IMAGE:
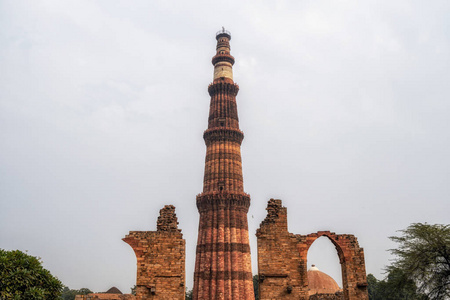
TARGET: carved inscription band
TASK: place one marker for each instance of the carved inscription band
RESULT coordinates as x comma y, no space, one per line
220,176
223,247
224,275
238,202
228,223
230,156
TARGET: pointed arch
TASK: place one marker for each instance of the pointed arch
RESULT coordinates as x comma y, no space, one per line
324,255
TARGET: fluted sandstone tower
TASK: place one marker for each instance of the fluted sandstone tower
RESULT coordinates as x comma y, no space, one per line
223,266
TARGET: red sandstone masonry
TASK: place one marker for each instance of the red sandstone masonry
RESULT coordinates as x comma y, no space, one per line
223,265
282,259
105,296
160,259
336,296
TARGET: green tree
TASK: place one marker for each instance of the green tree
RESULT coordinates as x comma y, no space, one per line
84,291
372,288
23,277
68,294
423,256
189,294
256,286
395,287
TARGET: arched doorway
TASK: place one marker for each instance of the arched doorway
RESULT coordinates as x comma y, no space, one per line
322,253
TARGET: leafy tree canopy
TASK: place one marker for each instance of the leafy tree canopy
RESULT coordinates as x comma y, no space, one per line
423,257
189,294
68,294
256,286
23,277
395,287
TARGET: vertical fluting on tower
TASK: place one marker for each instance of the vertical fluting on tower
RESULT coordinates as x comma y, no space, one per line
223,264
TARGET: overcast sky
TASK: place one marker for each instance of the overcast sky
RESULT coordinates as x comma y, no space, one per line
344,105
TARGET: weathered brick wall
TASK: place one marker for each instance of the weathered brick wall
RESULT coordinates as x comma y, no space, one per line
282,259
279,261
336,296
104,296
160,259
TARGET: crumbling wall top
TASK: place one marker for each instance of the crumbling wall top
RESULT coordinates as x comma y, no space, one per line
167,220
274,209
276,219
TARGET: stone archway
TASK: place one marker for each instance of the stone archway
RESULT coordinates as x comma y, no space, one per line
282,259
324,256
351,258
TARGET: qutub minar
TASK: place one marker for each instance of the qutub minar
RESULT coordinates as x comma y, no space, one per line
223,263
223,266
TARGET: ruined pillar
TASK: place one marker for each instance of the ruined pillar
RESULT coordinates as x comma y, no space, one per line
160,259
279,261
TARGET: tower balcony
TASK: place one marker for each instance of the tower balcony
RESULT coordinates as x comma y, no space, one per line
223,33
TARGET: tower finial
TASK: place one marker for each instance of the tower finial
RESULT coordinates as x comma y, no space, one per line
223,33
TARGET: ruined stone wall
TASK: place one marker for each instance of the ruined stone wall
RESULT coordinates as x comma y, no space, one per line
282,258
104,296
336,296
160,259
279,261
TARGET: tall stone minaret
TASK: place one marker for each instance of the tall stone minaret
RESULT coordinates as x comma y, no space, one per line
223,266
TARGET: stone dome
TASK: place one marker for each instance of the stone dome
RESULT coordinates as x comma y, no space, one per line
113,290
321,283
